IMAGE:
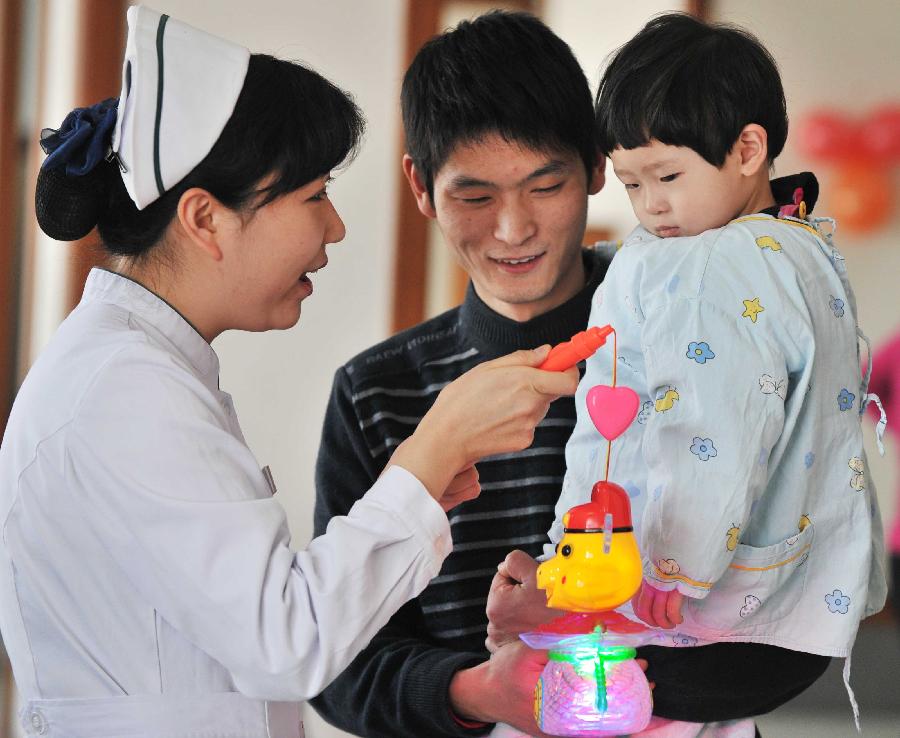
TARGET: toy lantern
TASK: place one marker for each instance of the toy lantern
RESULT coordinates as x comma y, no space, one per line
592,686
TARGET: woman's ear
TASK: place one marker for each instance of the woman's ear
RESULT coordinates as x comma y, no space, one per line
417,185
753,147
201,216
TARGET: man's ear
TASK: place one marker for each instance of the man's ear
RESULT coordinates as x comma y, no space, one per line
199,215
419,190
598,175
753,147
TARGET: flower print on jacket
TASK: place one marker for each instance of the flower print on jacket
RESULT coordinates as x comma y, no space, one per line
771,386
703,448
680,639
644,414
700,352
837,306
845,399
837,602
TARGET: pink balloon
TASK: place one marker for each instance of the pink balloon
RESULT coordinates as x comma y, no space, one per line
827,135
612,409
880,134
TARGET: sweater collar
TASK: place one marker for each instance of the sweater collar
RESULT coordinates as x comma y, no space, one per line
494,334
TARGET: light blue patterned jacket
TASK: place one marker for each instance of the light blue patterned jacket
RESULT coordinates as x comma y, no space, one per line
745,467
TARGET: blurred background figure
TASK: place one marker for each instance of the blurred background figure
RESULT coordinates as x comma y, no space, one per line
838,60
885,383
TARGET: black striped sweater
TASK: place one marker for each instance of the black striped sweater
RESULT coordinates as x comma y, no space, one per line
399,685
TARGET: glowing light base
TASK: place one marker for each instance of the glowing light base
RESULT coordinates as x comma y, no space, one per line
590,687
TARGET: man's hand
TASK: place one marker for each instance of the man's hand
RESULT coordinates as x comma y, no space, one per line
515,604
501,690
658,608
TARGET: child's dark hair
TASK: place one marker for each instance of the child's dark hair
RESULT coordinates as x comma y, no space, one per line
688,83
289,123
502,73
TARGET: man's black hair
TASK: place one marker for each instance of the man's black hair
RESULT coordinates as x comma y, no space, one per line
688,83
502,73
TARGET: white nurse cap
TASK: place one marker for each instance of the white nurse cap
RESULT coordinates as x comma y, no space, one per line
179,88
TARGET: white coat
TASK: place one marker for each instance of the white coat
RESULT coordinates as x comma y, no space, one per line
147,584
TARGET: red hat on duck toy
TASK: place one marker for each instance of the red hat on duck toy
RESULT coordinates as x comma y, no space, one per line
606,498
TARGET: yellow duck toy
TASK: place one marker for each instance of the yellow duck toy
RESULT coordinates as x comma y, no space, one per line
597,565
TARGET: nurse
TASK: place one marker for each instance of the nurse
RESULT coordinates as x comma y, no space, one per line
147,584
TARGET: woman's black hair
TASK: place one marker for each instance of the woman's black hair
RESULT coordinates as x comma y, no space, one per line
688,83
289,123
502,73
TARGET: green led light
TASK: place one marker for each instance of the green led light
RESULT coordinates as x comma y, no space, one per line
590,661
584,655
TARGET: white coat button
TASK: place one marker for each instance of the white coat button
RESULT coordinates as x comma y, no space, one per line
38,724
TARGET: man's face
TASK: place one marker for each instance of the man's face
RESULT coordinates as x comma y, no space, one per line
514,218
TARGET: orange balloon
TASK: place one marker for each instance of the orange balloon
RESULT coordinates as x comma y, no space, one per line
860,196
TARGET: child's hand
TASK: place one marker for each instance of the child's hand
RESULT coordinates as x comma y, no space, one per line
658,608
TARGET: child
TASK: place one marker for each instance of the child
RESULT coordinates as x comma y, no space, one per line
736,325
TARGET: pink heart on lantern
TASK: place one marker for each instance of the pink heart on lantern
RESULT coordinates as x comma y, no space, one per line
612,409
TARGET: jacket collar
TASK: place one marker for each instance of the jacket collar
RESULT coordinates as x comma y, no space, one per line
169,326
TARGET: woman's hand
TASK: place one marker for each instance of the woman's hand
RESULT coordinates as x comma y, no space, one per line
490,409
465,486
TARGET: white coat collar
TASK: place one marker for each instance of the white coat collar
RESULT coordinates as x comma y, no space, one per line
109,287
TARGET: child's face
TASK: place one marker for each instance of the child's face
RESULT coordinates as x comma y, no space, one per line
675,192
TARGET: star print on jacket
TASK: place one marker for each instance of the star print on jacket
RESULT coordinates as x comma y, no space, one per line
752,308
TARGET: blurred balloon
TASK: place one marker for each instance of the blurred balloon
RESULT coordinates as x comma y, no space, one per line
860,196
879,135
827,135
